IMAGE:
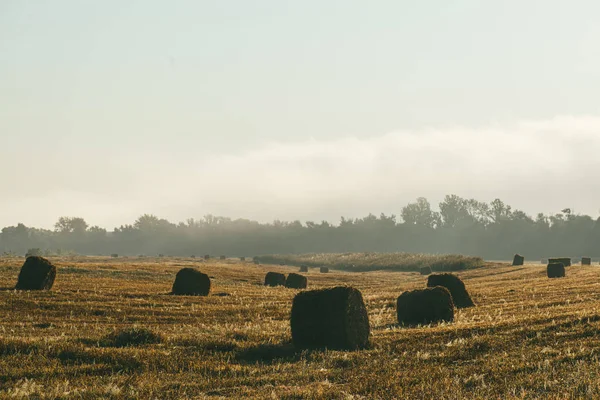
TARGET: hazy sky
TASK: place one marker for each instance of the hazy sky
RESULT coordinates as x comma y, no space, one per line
294,109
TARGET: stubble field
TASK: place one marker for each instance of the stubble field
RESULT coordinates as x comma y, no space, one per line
528,336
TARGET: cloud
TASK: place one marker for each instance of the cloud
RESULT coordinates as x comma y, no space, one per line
533,165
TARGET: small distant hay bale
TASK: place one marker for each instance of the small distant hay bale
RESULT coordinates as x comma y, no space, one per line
425,306
425,270
242,258
518,260
303,268
222,257
455,286
191,282
207,257
324,270
114,255
37,273
296,281
586,261
555,270
565,261
334,318
274,279
192,256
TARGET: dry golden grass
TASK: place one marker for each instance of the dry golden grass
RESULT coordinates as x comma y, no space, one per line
528,337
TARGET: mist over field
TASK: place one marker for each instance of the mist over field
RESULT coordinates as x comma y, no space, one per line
536,166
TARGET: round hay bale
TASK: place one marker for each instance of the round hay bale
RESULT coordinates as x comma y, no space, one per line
37,273
334,318
303,268
586,261
565,261
191,282
274,279
425,306
455,286
518,260
323,270
296,281
425,270
555,270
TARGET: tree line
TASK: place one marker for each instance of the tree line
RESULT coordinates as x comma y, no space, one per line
465,226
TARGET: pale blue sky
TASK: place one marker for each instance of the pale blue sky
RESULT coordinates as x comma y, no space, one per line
102,96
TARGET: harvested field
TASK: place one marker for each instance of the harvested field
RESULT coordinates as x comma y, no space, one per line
528,337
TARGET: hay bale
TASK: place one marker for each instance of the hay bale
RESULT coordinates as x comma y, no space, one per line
565,261
191,282
455,286
37,273
518,260
425,306
303,268
207,257
323,270
274,279
555,270
425,270
114,255
296,281
586,261
334,318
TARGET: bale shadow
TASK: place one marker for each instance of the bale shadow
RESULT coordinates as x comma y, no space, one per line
269,354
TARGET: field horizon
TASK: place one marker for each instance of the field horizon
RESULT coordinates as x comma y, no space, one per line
527,337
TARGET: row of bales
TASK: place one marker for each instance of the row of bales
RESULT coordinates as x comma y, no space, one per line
334,318
556,266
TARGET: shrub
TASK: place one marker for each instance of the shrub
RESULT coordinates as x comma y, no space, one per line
425,306
455,286
37,273
425,270
303,268
334,318
114,255
222,258
191,282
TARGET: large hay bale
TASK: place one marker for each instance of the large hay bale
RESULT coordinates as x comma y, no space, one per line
586,261
274,279
425,270
334,318
296,281
455,286
37,273
555,270
191,282
518,260
425,306
324,270
565,261
303,268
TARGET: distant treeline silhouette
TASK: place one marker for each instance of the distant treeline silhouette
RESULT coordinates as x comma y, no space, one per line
466,226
